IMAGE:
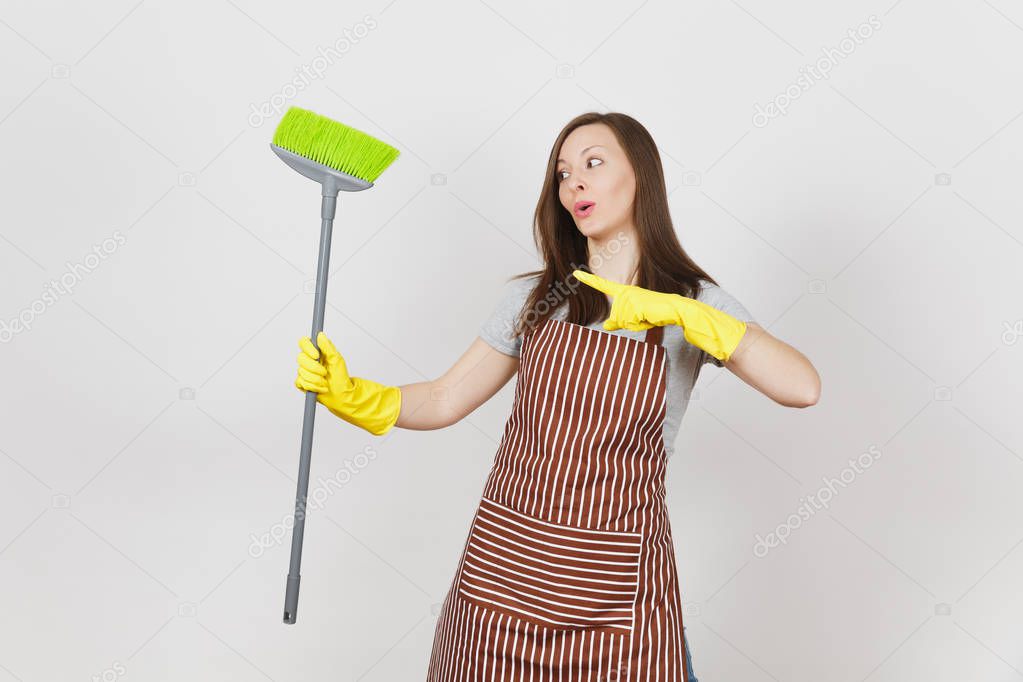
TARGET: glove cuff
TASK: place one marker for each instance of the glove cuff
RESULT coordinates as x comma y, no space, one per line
708,328
369,405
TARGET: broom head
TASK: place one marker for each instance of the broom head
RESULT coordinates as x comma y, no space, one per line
333,144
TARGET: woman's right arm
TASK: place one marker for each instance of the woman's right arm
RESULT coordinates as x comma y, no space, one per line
471,381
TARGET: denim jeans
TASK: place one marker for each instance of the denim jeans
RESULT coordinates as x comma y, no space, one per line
689,658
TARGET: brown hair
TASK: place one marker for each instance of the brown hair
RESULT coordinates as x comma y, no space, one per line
663,263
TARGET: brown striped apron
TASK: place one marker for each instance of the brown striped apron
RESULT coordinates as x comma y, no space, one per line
568,572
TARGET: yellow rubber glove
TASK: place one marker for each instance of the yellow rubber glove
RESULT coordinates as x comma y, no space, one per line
364,403
636,309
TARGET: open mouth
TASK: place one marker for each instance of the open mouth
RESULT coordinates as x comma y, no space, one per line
584,208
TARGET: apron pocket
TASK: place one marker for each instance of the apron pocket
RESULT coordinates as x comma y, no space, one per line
561,577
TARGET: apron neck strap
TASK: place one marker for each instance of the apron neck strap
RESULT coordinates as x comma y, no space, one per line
654,335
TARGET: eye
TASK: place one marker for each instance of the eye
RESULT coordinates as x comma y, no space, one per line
592,158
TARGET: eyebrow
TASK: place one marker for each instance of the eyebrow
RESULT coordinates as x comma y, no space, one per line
583,151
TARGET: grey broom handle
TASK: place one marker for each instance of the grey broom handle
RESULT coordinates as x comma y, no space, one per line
328,208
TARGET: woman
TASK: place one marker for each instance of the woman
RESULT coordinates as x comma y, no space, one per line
569,571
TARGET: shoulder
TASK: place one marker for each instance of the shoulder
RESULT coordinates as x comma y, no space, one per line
515,291
718,297
524,284
499,330
708,291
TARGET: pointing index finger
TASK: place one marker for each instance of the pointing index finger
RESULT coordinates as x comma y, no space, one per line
598,283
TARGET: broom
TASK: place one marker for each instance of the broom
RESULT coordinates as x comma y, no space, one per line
341,159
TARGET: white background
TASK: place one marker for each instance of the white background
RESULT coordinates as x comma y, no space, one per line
149,426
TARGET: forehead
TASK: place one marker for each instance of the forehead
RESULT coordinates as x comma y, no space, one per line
587,136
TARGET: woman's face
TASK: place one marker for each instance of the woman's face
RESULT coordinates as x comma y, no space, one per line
592,168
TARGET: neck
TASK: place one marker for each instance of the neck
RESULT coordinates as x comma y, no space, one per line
614,256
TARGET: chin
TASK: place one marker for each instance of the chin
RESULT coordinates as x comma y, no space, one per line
592,230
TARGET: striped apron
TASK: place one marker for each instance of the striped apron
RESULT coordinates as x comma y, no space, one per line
568,572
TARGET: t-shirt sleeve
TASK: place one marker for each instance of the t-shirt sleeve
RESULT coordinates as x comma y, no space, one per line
716,297
499,329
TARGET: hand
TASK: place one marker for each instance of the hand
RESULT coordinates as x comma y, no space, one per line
635,308
364,403
325,374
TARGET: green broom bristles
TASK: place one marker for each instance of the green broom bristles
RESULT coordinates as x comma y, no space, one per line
333,144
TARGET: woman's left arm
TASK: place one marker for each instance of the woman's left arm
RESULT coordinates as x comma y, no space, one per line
766,363
774,368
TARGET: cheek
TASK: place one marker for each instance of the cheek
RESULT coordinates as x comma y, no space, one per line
620,191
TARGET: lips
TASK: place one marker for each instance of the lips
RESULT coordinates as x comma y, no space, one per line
584,208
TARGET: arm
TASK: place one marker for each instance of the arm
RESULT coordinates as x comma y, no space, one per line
766,363
774,368
376,407
471,381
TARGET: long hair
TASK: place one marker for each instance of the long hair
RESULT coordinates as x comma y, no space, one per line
663,265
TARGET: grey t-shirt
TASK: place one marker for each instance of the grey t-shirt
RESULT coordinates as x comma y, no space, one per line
684,359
